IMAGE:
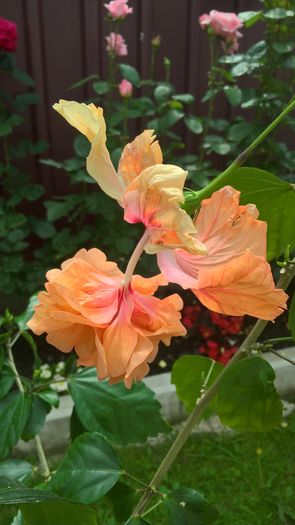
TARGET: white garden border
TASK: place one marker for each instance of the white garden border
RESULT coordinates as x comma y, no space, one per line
55,434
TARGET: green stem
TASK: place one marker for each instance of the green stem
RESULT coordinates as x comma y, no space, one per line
242,157
278,340
204,401
211,86
153,59
125,121
39,447
152,508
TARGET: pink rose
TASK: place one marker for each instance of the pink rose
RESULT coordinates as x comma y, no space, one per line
225,26
116,44
204,21
8,35
118,8
125,88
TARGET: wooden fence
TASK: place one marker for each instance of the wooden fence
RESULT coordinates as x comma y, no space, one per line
61,41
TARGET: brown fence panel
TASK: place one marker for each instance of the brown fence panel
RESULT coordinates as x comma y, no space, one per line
62,41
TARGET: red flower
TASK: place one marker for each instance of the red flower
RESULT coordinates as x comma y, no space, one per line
8,35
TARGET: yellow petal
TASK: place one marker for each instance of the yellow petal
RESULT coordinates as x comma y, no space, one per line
86,118
143,152
89,120
154,199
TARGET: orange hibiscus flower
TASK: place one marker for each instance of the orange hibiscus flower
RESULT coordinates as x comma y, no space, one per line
234,278
149,191
115,327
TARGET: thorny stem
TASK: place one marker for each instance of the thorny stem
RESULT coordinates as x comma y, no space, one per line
242,157
205,400
40,450
135,258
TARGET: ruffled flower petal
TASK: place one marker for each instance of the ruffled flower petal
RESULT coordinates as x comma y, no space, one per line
89,120
234,238
241,286
154,198
143,152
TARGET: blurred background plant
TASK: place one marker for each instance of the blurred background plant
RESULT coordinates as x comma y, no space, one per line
20,222
267,69
85,216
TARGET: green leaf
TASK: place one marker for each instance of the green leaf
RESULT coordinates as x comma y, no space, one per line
23,100
36,420
18,519
83,81
189,507
5,128
58,513
163,92
233,95
240,69
239,131
275,200
22,77
16,469
137,521
101,87
194,124
171,117
249,18
58,209
43,229
89,470
7,379
211,93
189,374
52,163
283,47
130,73
290,62
123,500
184,98
23,318
217,144
35,191
278,13
98,405
50,397
247,400
81,146
291,317
14,413
18,495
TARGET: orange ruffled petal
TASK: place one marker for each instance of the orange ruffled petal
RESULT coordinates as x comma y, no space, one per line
154,198
242,286
143,152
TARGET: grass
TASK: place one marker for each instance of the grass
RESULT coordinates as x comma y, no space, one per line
249,477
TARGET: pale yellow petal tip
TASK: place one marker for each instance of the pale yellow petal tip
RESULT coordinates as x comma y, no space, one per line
58,105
